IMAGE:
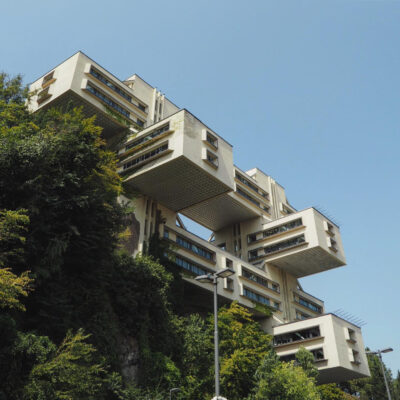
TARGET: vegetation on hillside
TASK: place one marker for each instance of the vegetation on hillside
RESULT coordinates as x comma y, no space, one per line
80,318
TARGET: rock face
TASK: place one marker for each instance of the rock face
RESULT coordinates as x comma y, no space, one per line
129,356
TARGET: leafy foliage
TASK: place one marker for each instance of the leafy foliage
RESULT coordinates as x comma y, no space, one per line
12,287
283,381
71,372
305,360
243,345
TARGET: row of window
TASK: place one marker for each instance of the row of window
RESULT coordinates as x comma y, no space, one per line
146,156
304,334
92,89
301,315
317,353
251,185
143,139
252,199
273,248
277,229
201,251
259,298
189,266
100,77
308,304
260,280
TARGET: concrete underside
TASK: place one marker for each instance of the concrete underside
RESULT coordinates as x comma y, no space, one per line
305,262
337,375
219,212
176,184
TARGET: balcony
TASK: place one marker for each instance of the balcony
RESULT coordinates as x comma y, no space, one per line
302,243
337,358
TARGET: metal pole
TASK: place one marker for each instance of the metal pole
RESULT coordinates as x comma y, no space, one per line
384,376
216,344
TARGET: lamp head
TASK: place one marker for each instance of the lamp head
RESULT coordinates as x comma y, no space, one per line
388,350
204,278
225,273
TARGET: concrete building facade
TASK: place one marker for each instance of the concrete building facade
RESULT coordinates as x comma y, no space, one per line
177,165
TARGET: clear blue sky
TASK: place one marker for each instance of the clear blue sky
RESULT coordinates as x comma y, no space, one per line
308,91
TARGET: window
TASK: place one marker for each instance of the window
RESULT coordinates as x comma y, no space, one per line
48,78
317,353
222,246
140,122
100,77
147,206
356,357
166,233
282,228
147,156
256,297
105,99
330,228
228,263
252,186
193,268
287,244
286,210
253,254
301,316
304,334
259,298
152,135
211,139
247,196
228,284
251,238
212,159
333,244
141,107
245,181
352,335
244,194
201,251
308,304
43,95
260,280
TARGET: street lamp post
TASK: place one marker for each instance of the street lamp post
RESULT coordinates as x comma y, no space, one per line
379,354
213,278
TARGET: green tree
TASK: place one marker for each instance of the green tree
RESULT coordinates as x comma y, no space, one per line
305,360
73,371
283,381
333,392
12,287
243,345
197,358
372,388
